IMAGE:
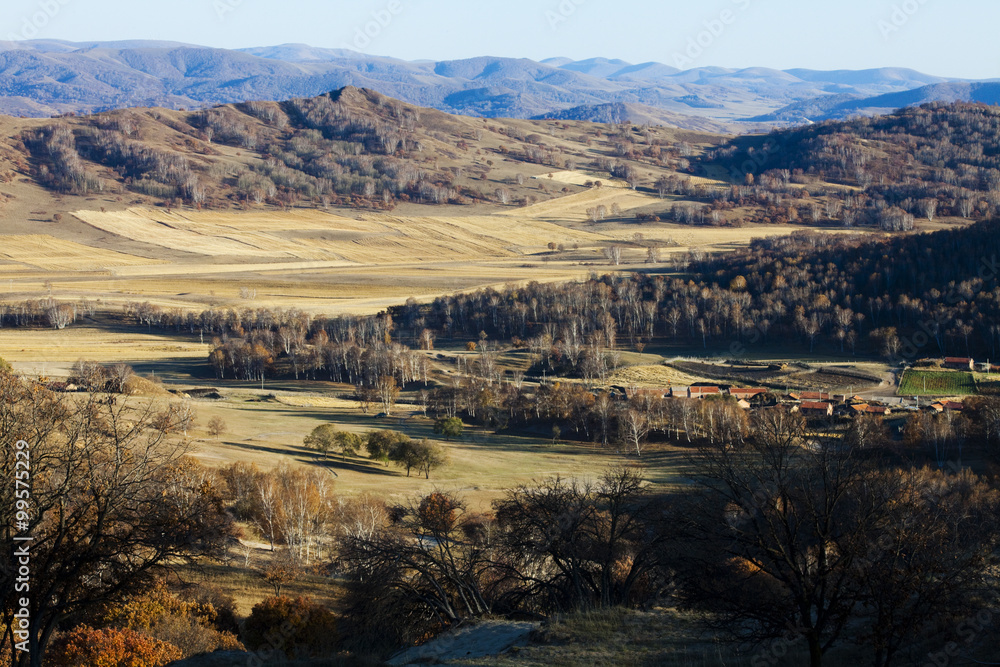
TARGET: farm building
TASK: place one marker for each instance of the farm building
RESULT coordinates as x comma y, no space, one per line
941,406
960,363
865,409
647,393
816,409
703,392
746,394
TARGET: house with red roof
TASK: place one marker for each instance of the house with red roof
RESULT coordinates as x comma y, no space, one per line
960,363
746,394
816,409
703,392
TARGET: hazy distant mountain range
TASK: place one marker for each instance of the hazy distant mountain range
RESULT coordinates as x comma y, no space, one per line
47,77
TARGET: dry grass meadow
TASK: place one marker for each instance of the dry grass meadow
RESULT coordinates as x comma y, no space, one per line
334,261
326,261
112,249
267,429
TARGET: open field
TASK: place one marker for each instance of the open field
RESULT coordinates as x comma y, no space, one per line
52,353
267,428
121,246
651,376
574,207
334,261
579,178
937,383
315,235
49,253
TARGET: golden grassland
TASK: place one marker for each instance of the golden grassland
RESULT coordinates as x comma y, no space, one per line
372,239
322,262
334,261
208,233
482,464
52,352
121,246
49,253
579,178
574,207
651,376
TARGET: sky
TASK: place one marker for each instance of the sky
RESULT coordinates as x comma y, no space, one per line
954,38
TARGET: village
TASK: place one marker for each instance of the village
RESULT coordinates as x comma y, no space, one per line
829,404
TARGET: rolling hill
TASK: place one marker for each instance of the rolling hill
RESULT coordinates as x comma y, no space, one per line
847,105
50,77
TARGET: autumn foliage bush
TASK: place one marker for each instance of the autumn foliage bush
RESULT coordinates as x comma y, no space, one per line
295,627
195,626
438,512
110,647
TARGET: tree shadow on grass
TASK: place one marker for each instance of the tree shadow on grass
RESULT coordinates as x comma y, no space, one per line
336,465
511,442
667,466
333,463
263,449
182,370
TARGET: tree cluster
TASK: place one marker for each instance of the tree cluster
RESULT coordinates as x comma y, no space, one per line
936,159
112,503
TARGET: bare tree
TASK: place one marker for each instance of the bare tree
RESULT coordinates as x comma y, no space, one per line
597,213
119,377
633,426
613,254
662,186
966,205
216,426
929,208
60,315
576,546
113,502
388,391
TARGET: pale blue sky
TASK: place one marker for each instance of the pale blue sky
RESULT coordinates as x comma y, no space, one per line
948,38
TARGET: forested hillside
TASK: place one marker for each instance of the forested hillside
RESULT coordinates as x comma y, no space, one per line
924,162
350,147
927,294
